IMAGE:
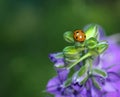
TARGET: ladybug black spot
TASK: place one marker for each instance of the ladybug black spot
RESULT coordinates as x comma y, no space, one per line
77,32
76,37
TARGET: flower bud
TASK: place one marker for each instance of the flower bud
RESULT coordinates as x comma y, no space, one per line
91,43
68,36
92,30
71,54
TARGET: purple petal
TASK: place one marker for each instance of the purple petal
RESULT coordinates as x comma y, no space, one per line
116,85
96,61
53,85
112,94
91,90
101,32
77,87
83,93
96,93
62,74
108,87
113,77
111,57
65,96
88,84
59,96
114,39
59,63
77,67
54,57
100,80
68,91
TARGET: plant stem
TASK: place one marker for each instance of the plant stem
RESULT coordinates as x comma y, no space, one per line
79,60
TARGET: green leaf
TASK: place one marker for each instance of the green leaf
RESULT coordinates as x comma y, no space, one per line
94,52
68,36
99,72
67,82
84,80
96,84
91,30
83,70
83,73
91,43
102,46
80,79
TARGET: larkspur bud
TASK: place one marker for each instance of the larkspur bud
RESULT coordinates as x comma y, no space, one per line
91,30
71,54
68,36
102,46
91,43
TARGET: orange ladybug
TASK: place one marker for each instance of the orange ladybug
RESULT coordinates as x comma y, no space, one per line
79,35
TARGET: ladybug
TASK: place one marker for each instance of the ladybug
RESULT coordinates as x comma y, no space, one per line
79,35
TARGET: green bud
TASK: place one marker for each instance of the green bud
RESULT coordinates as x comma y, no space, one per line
79,44
96,83
99,48
102,46
91,43
68,36
91,30
70,60
71,54
71,51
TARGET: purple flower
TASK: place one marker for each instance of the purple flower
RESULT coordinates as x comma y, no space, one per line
101,79
57,59
56,86
110,62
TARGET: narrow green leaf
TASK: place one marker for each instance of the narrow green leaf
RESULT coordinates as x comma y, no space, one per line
83,70
94,52
99,72
80,79
84,80
67,82
96,84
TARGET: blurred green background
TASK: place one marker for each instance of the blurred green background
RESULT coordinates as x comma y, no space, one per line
31,29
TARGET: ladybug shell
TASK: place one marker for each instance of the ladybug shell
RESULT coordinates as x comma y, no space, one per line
79,35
